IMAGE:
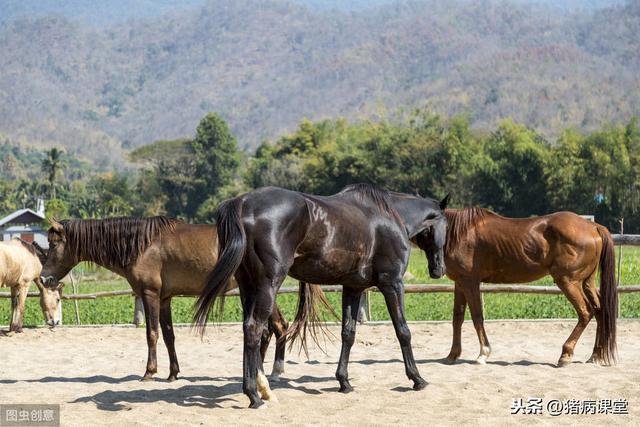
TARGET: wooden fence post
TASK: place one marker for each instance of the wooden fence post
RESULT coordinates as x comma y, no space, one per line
138,312
74,285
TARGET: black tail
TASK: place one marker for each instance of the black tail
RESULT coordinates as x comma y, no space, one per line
231,248
606,335
308,316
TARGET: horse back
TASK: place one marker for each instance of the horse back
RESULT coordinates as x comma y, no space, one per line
17,264
346,241
178,262
516,250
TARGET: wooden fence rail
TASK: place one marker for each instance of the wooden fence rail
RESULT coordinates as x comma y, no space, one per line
619,239
409,289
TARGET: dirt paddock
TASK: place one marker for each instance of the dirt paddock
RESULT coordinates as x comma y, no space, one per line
93,373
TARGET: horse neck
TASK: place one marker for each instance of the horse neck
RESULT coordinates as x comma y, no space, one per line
413,210
83,255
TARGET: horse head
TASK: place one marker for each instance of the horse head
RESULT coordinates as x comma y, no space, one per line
433,237
60,259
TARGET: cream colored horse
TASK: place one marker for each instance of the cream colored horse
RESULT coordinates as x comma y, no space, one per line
21,264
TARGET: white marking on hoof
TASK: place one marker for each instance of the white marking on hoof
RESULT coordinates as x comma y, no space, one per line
263,388
485,351
278,368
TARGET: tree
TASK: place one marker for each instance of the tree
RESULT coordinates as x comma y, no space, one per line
511,178
216,161
51,165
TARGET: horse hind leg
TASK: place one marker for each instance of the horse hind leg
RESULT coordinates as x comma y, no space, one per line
575,294
166,324
256,309
280,326
593,298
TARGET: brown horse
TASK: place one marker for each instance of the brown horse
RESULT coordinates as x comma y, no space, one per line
483,246
160,258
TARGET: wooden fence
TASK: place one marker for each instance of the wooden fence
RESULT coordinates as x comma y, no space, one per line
626,240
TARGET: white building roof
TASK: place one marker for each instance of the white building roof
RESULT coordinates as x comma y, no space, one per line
7,219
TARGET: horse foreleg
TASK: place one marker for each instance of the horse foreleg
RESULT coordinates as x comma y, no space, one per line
151,302
474,299
350,307
18,300
166,324
394,297
459,307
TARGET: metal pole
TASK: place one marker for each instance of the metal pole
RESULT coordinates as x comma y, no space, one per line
620,260
138,312
364,310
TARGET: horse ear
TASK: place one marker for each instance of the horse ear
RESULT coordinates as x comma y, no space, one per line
445,201
60,286
55,225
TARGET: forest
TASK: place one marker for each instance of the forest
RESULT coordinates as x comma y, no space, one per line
511,169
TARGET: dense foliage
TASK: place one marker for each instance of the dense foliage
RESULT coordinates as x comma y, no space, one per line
512,169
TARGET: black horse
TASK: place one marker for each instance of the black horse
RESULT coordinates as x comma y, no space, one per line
358,238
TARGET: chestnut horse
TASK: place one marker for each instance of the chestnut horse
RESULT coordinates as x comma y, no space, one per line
357,238
483,246
160,258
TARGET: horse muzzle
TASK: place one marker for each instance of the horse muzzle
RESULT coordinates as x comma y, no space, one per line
49,281
437,272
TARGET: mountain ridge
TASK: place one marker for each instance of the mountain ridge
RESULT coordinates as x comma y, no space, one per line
265,65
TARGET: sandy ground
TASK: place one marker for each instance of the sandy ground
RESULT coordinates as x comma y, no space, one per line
93,373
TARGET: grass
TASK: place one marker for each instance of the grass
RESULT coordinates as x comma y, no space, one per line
434,306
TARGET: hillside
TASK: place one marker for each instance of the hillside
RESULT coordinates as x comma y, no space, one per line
265,65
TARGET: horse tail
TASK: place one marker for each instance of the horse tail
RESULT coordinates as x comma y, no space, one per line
231,249
308,320
606,335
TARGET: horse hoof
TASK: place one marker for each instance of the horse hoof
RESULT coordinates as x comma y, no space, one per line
172,378
147,377
564,362
450,360
275,377
259,405
482,360
345,388
271,398
420,384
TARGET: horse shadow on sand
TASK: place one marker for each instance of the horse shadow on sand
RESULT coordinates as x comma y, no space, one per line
206,396
440,361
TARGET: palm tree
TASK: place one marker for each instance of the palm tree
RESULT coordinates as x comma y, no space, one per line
51,165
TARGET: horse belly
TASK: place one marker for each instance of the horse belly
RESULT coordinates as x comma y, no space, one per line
334,267
508,272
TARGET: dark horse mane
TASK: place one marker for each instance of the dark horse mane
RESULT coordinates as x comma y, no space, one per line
114,241
460,221
379,196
